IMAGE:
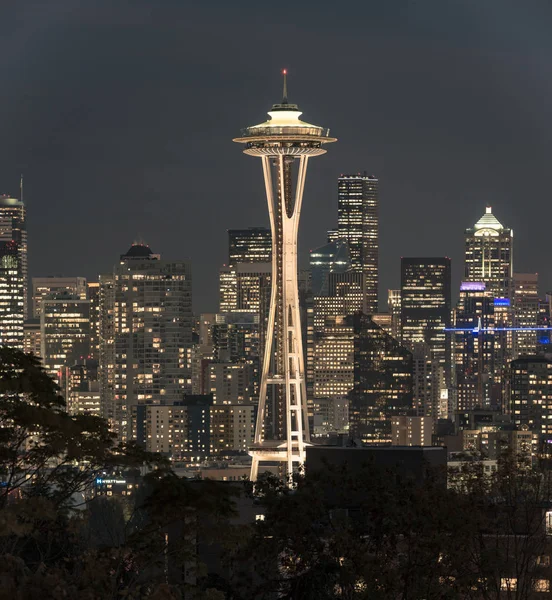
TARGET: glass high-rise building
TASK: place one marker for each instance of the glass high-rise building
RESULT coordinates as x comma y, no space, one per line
474,347
13,228
426,304
65,332
252,245
358,224
145,334
526,312
489,255
12,295
382,381
330,258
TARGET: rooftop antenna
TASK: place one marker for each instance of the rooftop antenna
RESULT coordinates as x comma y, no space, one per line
285,95
21,188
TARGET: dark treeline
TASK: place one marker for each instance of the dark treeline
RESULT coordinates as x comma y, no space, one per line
335,535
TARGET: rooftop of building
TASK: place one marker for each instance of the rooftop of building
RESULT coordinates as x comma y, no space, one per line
139,250
488,222
6,200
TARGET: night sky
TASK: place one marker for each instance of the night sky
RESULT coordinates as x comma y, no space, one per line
121,113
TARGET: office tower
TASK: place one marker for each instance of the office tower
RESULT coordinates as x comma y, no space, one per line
411,431
244,288
382,381
526,311
474,347
331,258
252,245
282,143
237,339
31,336
358,224
46,286
12,295
13,228
329,341
203,350
81,389
489,255
333,359
544,320
180,429
426,304
531,394
64,332
232,428
145,334
394,309
425,315
93,295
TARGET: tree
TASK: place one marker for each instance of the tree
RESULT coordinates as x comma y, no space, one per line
59,541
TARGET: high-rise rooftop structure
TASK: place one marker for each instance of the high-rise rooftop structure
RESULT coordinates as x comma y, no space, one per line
145,334
284,144
489,255
252,245
13,228
358,224
46,286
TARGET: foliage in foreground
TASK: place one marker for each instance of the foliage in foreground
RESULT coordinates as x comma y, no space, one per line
335,535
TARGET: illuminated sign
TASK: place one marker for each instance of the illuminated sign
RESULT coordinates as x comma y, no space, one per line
111,481
472,286
501,302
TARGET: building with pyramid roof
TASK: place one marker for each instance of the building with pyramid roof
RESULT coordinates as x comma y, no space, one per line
489,255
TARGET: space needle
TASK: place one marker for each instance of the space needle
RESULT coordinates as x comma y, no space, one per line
284,143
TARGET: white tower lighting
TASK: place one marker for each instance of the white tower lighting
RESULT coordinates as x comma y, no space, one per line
285,144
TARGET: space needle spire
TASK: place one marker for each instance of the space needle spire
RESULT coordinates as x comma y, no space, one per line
284,143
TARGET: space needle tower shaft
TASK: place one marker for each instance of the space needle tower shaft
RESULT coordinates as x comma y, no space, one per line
284,144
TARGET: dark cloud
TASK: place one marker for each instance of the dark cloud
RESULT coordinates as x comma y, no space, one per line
121,116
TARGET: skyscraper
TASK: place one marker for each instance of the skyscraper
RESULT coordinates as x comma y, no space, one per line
489,255
382,381
282,143
12,295
13,228
252,245
426,304
245,287
145,334
65,332
474,347
330,258
526,312
358,224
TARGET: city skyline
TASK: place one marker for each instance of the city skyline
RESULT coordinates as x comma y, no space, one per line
101,153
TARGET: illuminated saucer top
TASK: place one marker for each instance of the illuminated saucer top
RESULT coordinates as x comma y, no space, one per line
284,133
